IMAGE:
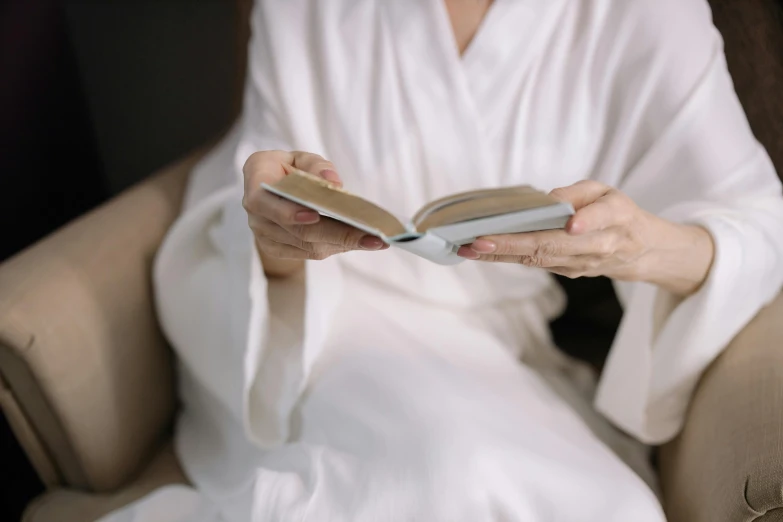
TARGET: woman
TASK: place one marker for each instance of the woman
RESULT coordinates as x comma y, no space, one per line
366,384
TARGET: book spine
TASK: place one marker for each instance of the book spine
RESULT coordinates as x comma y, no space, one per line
430,247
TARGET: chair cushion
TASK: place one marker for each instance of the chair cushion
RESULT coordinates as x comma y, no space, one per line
68,505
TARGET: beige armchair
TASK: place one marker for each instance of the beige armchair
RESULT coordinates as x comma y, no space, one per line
86,379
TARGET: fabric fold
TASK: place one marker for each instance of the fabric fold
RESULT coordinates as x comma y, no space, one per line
276,374
651,373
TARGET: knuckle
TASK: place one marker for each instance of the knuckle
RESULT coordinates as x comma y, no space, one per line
323,164
250,163
615,200
308,237
310,233
592,184
531,261
317,256
320,248
565,194
591,263
606,245
311,161
304,233
247,203
622,217
302,245
632,235
283,216
254,161
256,228
348,238
559,193
620,203
545,249
504,248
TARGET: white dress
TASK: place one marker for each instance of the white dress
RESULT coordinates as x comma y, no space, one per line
381,387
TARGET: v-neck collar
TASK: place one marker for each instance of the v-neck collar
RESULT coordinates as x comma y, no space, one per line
442,12
507,25
442,111
510,38
449,93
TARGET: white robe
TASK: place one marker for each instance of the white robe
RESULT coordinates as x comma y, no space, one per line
381,387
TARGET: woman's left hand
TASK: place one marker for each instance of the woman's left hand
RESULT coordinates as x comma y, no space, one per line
609,235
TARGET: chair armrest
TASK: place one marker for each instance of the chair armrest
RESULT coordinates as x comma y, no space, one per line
67,505
727,464
85,374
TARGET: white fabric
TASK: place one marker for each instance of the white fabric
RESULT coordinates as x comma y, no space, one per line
378,386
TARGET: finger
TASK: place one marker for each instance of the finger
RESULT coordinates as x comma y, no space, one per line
264,229
543,244
265,167
315,164
314,238
278,210
336,233
268,167
581,193
284,251
586,264
531,261
611,209
549,244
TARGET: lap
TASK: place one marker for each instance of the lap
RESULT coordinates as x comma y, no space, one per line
375,418
389,436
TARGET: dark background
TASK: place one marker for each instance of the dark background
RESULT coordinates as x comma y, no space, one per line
96,95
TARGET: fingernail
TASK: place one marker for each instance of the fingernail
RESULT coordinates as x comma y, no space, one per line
306,217
484,246
371,243
330,175
467,253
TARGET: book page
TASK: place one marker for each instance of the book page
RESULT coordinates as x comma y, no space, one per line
322,196
480,204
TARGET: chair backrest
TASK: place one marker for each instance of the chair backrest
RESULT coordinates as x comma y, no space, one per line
753,34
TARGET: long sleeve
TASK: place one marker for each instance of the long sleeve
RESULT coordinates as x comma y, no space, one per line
699,163
287,319
244,341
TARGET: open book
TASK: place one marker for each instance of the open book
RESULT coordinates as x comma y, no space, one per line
439,228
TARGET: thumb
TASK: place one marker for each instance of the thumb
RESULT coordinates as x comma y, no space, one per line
581,193
315,164
331,175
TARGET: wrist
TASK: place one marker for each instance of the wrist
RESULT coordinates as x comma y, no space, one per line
681,260
279,268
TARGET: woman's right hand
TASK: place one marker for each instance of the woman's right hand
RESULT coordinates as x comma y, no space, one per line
287,234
